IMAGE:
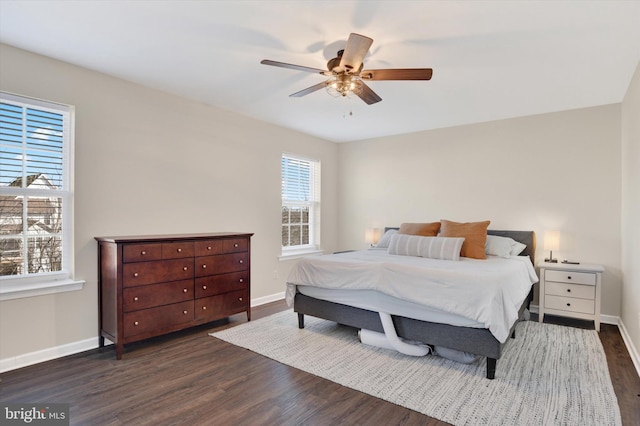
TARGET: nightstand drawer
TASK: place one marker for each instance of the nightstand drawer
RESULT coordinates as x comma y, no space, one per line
584,306
570,290
570,277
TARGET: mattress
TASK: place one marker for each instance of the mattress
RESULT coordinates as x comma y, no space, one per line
379,302
470,292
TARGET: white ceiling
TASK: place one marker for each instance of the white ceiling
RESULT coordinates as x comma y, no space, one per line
491,59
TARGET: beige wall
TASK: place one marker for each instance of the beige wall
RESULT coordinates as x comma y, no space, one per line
151,163
553,171
630,312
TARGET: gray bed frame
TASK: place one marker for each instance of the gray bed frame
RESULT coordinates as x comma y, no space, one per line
477,341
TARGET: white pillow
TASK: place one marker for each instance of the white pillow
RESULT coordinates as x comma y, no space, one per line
503,246
431,247
386,238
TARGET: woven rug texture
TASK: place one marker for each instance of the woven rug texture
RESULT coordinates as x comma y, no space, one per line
547,375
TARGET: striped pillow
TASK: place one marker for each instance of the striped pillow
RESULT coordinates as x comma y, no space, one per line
431,247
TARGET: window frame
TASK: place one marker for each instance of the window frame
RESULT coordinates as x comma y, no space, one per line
314,204
36,284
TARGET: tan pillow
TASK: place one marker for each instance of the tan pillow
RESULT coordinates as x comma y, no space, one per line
422,229
474,233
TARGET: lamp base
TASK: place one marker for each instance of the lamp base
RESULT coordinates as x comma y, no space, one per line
551,260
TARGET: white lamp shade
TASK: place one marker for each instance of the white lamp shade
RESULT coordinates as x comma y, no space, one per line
552,240
372,235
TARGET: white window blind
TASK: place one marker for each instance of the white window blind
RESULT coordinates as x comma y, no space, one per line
300,204
35,191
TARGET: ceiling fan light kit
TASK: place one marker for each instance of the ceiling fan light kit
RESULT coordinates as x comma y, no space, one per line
346,75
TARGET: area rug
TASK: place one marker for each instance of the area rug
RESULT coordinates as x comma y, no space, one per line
547,375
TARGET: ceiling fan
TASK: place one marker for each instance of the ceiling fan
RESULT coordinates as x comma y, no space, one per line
346,74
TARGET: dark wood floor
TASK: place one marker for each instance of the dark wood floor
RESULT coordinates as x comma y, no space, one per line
191,378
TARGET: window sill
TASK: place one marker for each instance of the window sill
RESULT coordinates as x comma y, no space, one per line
297,254
21,290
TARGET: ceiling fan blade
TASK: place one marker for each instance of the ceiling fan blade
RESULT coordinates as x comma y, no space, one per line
368,95
292,66
309,90
398,74
353,55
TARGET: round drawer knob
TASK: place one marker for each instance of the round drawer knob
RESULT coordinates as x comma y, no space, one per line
179,250
241,280
241,261
185,312
135,274
136,323
568,290
568,304
204,287
143,252
184,290
240,299
236,245
204,308
204,266
135,299
185,268
569,277
208,247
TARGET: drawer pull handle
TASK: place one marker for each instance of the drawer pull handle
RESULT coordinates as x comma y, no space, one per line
568,304
204,266
241,280
135,274
569,277
204,308
135,299
240,299
185,268
184,290
208,247
204,287
185,312
179,250
236,245
143,252
241,261
568,290
136,323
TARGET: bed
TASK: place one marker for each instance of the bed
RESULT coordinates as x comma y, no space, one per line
441,329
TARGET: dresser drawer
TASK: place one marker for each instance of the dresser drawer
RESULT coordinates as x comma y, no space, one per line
210,265
571,277
220,306
157,319
149,296
570,290
235,245
208,247
569,304
141,252
223,283
176,250
143,273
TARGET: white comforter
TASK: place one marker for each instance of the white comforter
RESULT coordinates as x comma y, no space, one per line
487,291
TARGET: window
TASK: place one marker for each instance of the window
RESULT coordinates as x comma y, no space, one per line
35,196
300,205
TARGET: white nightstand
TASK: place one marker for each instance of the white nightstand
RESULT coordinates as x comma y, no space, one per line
570,291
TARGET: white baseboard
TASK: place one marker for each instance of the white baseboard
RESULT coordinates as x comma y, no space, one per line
267,299
25,360
19,361
633,351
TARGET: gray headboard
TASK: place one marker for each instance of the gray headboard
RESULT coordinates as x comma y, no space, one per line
525,237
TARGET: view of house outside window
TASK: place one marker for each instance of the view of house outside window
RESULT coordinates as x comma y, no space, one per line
300,203
33,185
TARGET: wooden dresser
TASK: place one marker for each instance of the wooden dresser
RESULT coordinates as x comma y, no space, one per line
153,285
